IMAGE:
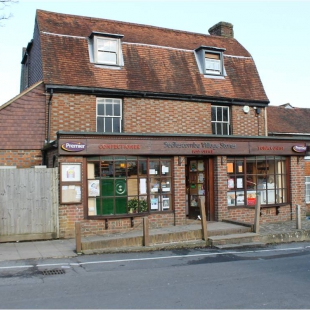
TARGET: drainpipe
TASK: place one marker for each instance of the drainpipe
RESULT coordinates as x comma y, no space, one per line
49,116
266,122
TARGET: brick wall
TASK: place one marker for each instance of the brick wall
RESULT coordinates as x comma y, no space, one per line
166,116
73,112
20,158
248,124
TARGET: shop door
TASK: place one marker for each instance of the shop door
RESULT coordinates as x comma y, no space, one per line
199,187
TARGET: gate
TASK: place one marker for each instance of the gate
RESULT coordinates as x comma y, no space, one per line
28,204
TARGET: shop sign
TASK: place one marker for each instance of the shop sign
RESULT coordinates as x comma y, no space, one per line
73,146
299,148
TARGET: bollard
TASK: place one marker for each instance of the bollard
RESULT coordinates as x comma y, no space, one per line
257,213
298,217
203,222
78,239
146,235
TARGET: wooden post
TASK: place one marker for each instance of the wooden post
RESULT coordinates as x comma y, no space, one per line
146,236
203,222
257,213
78,239
298,217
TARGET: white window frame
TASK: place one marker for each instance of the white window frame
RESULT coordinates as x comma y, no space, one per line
213,63
105,102
222,122
98,49
307,189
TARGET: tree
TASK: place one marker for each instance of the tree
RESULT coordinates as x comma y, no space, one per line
3,4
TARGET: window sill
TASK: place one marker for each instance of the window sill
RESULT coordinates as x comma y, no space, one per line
106,66
213,76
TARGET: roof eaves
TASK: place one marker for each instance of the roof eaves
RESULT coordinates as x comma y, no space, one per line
144,94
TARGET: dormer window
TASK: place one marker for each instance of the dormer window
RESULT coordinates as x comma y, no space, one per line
213,63
106,49
210,60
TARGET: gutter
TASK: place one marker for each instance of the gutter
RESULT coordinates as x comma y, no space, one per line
154,95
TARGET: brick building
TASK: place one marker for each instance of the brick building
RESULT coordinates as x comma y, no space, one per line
148,121
287,121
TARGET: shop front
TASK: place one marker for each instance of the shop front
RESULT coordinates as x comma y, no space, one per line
118,179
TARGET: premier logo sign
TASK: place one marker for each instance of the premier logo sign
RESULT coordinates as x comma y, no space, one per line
73,146
299,148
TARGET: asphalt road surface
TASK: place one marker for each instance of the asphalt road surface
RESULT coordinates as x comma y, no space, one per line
263,278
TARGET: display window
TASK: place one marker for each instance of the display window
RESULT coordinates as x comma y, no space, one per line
248,177
70,183
128,185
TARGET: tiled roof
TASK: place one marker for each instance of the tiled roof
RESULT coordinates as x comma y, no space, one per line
156,59
288,120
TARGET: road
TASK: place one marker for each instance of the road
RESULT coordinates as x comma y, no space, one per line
272,277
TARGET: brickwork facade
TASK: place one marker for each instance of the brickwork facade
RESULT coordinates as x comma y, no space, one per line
248,124
20,158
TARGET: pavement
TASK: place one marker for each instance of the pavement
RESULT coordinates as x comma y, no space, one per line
66,248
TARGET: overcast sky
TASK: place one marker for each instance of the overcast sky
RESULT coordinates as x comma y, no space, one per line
276,33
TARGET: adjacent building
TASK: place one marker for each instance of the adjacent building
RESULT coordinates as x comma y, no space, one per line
147,121
288,121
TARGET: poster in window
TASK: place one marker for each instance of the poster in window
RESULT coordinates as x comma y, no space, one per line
70,194
201,177
231,198
251,198
239,182
166,204
230,167
92,210
193,165
154,203
70,172
93,188
200,165
240,198
231,183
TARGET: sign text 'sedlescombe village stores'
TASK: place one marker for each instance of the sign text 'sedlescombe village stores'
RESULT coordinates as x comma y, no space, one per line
159,147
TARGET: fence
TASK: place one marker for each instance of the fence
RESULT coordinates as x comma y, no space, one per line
28,204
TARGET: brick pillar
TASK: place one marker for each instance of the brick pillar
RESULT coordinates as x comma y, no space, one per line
220,188
179,190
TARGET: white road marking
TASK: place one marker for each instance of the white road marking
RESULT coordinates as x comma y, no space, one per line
66,265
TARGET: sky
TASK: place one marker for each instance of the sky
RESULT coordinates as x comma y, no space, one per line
275,32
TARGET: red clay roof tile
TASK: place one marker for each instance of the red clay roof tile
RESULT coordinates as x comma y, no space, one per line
155,59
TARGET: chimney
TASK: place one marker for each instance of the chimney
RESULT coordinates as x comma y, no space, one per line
222,29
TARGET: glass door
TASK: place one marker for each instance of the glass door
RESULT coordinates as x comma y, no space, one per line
200,187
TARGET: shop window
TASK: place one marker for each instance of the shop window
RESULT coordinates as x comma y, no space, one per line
220,119
125,185
70,183
307,183
109,115
249,176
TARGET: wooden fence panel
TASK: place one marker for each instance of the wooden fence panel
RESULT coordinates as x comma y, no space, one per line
28,204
